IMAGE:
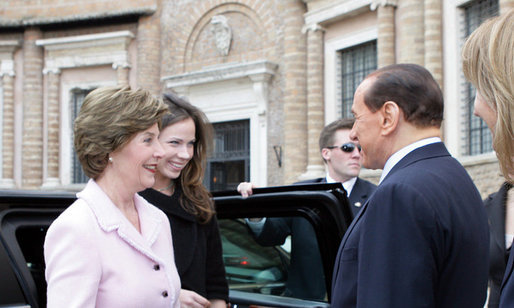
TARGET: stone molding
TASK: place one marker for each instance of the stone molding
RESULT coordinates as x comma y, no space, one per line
94,49
7,49
376,3
55,71
312,28
258,69
336,11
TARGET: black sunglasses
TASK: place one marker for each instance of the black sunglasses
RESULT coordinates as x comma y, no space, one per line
346,147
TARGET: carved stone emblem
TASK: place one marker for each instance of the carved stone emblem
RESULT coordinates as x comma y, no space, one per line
222,34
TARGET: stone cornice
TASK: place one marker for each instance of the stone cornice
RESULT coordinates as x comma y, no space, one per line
94,49
253,70
8,47
41,21
81,41
336,11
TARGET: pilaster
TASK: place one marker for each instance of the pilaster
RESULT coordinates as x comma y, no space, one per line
51,129
386,40
315,105
7,75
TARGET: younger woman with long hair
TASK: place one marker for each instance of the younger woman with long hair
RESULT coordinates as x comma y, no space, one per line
178,191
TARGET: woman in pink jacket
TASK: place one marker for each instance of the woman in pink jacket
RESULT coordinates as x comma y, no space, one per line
111,248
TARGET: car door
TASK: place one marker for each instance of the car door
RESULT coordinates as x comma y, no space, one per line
24,219
257,273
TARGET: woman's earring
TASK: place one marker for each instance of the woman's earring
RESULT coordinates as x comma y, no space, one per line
110,159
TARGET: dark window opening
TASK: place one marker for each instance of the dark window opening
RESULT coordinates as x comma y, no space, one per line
477,134
230,161
356,63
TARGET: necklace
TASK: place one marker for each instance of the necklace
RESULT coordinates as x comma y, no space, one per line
166,188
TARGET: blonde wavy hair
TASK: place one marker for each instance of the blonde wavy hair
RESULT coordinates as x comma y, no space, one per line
108,119
488,63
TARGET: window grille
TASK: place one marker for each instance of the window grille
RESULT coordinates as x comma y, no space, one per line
77,172
478,138
230,161
355,63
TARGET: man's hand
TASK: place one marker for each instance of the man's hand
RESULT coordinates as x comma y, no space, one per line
245,189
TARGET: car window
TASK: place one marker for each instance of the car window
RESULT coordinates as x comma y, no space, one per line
249,266
257,257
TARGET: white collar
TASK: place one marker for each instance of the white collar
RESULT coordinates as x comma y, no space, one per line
348,185
396,157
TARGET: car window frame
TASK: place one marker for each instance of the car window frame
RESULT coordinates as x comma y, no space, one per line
324,205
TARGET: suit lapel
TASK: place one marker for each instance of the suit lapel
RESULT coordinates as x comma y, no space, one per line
110,219
508,270
345,239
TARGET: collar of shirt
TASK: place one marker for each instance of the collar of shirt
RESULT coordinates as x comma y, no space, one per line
396,157
348,185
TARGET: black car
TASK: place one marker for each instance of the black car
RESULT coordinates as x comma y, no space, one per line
256,274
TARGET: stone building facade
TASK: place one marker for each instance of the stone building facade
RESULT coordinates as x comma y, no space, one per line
280,68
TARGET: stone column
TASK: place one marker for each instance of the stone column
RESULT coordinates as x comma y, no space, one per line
433,39
122,72
315,104
386,41
411,48
32,143
7,120
51,131
295,92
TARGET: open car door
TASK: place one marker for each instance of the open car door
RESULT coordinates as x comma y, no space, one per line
259,274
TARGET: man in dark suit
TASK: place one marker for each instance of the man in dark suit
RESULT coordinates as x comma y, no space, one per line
343,160
422,238
342,157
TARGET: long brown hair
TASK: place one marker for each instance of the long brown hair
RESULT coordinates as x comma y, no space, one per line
195,198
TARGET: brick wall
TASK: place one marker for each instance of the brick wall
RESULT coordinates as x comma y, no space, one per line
32,110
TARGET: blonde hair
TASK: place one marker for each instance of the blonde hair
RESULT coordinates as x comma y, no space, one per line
488,63
108,119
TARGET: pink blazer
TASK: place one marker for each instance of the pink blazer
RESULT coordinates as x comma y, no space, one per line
96,258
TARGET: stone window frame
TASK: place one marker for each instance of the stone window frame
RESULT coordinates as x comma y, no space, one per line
252,78
100,49
332,80
453,84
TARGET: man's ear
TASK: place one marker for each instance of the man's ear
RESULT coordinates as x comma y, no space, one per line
391,114
325,153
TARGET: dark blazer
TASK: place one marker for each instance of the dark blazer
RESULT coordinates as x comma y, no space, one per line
507,286
495,206
197,247
361,191
421,240
306,279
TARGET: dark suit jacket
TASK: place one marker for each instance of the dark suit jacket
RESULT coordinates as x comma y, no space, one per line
421,240
495,206
305,275
197,247
360,192
507,286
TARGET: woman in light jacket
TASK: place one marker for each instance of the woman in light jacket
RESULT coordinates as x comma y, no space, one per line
111,248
